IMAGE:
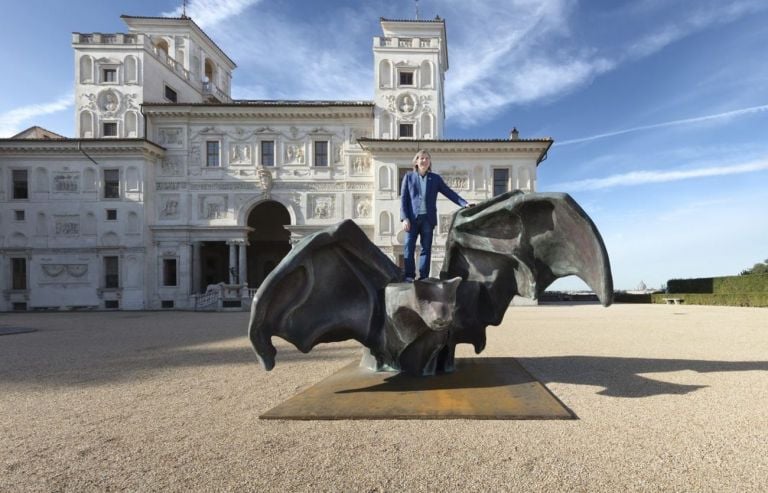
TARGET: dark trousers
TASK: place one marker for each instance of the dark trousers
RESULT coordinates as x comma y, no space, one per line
424,230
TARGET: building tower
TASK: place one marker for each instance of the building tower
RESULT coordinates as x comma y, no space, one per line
410,61
159,60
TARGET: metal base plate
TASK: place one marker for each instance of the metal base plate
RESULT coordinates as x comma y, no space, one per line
480,388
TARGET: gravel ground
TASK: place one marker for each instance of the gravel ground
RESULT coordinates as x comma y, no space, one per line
668,398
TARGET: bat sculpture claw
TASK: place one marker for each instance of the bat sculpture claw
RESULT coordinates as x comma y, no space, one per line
337,285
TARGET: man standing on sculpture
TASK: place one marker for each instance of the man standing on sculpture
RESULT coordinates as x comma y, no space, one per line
418,211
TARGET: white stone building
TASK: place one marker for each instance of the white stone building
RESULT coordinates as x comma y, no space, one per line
171,186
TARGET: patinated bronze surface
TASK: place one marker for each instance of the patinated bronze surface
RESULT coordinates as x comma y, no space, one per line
337,285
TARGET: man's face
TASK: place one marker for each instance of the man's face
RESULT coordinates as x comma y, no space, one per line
424,163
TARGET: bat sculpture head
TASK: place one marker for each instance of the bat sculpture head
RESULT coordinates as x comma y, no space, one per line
337,285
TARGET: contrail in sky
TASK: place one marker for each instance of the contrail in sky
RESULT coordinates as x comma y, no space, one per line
727,114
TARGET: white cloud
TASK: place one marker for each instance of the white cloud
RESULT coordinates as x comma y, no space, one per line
208,13
525,52
684,121
15,120
654,176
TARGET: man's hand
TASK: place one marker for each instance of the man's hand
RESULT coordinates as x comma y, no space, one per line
406,225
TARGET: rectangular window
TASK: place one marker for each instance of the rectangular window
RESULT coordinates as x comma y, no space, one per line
111,214
171,95
18,273
500,181
109,129
20,184
406,78
111,183
406,130
109,75
111,273
112,304
321,153
212,153
169,272
19,215
267,152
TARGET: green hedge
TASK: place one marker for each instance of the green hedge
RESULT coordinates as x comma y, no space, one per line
721,299
748,285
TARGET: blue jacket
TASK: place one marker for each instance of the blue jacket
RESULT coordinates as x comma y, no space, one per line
410,196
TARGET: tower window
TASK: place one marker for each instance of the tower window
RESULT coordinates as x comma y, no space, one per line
321,153
406,130
171,95
500,181
109,75
110,129
406,78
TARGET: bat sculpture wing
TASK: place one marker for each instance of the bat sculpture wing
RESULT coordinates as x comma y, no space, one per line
518,244
329,288
336,284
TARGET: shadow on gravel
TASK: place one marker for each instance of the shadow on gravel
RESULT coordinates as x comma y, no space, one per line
623,377
96,349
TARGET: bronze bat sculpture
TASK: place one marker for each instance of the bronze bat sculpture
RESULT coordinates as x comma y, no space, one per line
337,285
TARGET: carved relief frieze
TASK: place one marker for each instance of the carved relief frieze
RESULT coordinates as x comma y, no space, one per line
62,273
66,225
212,206
336,152
458,180
170,185
362,206
240,154
109,102
357,186
426,101
170,137
294,153
171,166
169,206
360,165
230,186
445,223
66,182
89,103
321,206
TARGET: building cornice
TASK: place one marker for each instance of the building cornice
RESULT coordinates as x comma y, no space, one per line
90,146
306,110
537,147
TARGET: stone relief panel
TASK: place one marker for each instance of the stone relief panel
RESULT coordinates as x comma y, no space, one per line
360,165
169,206
456,179
212,206
321,206
445,223
362,206
240,154
406,103
66,182
63,273
294,153
170,137
66,225
172,166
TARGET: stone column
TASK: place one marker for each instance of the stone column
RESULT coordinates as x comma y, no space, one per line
196,267
242,263
232,262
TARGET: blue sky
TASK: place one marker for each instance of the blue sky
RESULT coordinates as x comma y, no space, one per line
658,108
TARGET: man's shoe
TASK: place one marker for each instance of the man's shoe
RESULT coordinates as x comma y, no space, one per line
408,279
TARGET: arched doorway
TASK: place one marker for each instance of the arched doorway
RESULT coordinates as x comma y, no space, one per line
269,241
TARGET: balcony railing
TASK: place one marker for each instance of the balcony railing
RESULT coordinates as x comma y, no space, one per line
210,89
